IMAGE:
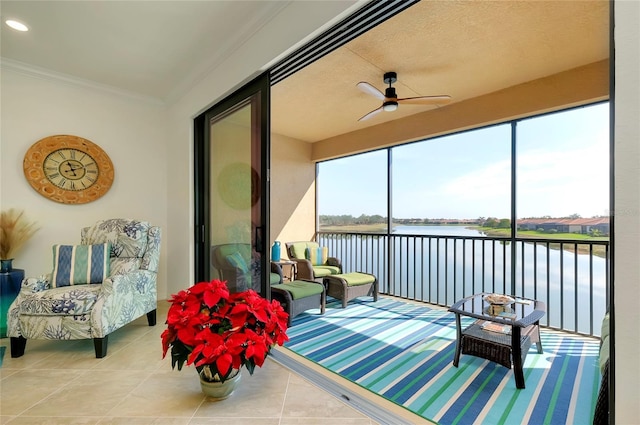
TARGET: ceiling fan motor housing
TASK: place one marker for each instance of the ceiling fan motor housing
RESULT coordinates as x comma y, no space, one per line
390,93
390,77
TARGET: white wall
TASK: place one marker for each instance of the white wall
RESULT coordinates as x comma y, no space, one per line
131,132
627,211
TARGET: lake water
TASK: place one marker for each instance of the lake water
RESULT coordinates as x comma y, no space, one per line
436,230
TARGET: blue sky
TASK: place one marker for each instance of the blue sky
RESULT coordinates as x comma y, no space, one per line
563,169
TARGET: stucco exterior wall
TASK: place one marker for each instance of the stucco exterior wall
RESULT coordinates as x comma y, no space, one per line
292,191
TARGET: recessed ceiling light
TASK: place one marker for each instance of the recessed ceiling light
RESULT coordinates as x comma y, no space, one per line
16,25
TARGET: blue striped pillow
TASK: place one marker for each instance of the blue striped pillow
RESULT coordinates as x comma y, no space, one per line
317,256
80,264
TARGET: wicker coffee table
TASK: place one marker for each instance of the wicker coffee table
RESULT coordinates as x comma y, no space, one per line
503,333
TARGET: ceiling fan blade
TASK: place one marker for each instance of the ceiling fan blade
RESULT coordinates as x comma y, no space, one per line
369,89
371,114
425,100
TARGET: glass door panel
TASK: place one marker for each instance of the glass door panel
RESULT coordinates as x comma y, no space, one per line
235,198
231,200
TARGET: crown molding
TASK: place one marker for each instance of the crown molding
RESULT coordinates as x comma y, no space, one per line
70,80
226,49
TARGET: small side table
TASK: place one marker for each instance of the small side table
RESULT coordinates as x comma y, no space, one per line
9,288
508,349
292,266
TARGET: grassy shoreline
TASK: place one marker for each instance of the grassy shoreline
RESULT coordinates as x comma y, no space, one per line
598,250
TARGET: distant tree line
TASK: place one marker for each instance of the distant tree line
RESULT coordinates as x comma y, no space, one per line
349,220
496,223
492,222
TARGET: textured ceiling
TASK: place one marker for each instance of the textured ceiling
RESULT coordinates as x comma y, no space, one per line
460,48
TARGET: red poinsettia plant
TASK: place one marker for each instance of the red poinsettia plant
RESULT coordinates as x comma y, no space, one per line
219,332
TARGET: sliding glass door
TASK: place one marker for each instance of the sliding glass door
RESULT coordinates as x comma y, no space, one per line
231,155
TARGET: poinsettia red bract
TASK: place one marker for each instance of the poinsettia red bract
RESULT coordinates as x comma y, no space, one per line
211,328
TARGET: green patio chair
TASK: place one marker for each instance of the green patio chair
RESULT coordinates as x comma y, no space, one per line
313,261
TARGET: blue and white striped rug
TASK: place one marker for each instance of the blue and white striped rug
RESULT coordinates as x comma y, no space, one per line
404,352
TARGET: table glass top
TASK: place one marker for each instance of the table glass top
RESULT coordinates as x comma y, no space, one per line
510,309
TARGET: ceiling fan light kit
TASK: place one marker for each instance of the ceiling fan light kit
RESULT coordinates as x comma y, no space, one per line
390,99
390,106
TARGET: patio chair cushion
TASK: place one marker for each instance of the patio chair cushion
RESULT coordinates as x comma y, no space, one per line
299,249
321,271
604,343
356,278
237,261
80,264
229,249
274,278
300,289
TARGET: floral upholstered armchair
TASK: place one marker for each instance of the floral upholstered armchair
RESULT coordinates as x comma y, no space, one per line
95,288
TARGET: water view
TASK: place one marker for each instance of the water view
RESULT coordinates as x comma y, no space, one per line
441,264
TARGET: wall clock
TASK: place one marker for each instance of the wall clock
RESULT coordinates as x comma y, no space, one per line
68,169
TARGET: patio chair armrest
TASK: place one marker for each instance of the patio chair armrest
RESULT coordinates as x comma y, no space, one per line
275,268
332,261
532,318
304,268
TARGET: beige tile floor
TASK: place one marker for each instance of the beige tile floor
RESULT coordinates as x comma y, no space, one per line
61,382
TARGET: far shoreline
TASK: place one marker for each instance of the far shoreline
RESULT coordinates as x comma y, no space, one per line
490,231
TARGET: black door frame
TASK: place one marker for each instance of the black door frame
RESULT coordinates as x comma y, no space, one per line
260,85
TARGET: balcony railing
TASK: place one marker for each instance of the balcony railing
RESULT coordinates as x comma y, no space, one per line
571,277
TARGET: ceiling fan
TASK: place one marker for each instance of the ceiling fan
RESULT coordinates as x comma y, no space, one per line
390,99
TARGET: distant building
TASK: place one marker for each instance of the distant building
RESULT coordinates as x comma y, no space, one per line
567,225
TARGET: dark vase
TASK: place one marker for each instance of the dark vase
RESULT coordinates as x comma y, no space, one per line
10,281
6,265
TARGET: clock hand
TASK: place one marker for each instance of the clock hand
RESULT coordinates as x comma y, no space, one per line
71,169
75,167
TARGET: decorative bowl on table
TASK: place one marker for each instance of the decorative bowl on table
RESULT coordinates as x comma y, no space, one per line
499,299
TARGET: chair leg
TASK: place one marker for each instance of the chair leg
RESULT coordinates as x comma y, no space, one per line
100,345
17,346
151,318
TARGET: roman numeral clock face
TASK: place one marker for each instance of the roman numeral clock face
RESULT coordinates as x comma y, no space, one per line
71,169
68,169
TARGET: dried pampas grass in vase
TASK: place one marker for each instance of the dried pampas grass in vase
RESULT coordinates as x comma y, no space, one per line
15,231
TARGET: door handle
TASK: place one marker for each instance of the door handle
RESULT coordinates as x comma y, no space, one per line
258,239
